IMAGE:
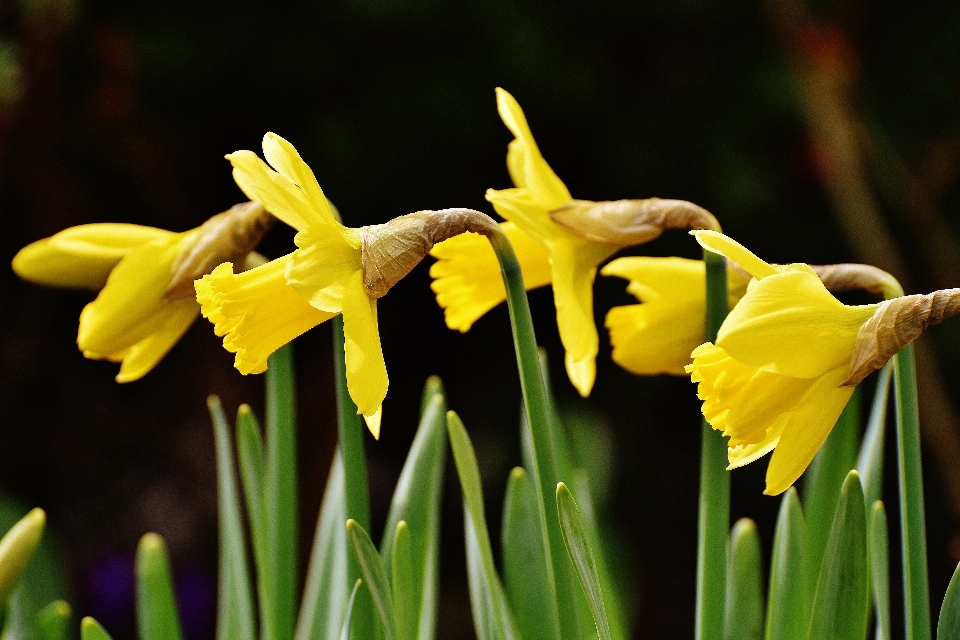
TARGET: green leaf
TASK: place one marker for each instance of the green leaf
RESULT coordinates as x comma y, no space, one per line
252,475
948,627
791,590
325,591
870,460
880,568
401,572
840,604
52,621
525,573
822,481
157,617
744,600
375,576
280,495
486,594
577,541
16,550
235,601
348,618
417,501
90,629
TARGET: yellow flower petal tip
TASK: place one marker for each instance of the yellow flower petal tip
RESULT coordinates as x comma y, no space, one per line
582,374
373,422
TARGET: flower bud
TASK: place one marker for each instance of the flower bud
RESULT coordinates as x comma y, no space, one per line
390,251
626,223
16,550
226,237
895,324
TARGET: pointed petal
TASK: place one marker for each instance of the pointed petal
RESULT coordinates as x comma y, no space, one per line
129,308
466,276
790,324
527,167
747,453
520,207
83,256
284,157
809,425
373,422
652,277
366,371
255,311
574,266
725,246
328,256
278,194
656,337
144,355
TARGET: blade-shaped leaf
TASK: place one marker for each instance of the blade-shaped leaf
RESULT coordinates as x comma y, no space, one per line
401,573
743,614
374,575
348,618
252,474
486,593
827,472
840,603
870,461
791,587
90,629
526,578
16,550
948,627
280,494
880,568
235,601
577,541
416,500
52,621
157,617
325,591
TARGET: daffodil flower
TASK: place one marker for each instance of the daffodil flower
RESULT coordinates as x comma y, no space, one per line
129,321
657,336
258,311
772,381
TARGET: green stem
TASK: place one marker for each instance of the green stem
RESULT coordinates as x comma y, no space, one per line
537,413
713,519
357,501
916,596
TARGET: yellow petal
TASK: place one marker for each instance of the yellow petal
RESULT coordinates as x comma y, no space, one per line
129,309
466,276
373,422
574,266
657,336
278,194
807,428
527,167
284,157
144,355
747,453
760,403
653,277
255,311
719,243
83,256
366,372
328,256
520,207
789,323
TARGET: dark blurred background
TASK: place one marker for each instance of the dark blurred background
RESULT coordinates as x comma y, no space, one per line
821,133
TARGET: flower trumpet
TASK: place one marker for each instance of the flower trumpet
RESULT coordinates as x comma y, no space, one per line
141,272
558,241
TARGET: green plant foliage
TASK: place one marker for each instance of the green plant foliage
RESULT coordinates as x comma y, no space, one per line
525,567
53,621
348,618
577,541
157,617
375,576
840,603
401,572
870,461
235,605
790,593
744,601
879,551
948,626
90,629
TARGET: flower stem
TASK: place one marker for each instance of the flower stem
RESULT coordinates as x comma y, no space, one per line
713,519
537,413
357,500
916,596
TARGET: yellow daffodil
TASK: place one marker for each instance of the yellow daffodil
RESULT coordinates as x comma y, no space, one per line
657,336
772,381
467,277
129,322
262,309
